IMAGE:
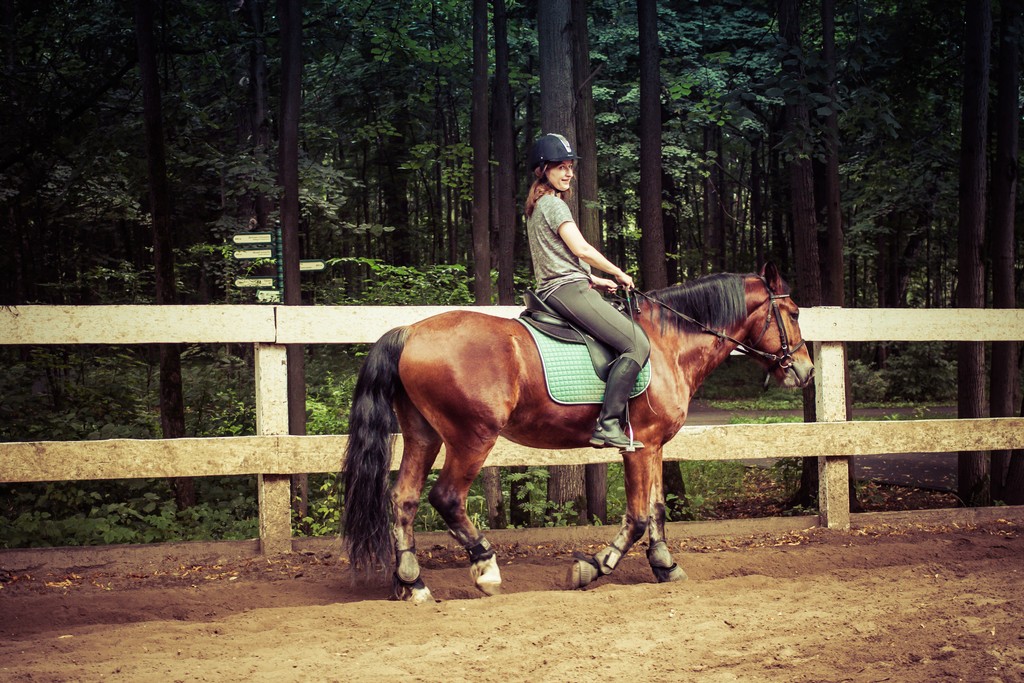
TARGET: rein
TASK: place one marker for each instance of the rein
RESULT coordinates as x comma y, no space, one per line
782,359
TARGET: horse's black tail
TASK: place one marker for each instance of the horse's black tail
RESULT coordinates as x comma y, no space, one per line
367,466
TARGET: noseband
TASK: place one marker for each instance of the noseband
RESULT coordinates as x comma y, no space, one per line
781,359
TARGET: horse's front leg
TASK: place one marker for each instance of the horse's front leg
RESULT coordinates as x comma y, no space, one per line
664,567
639,480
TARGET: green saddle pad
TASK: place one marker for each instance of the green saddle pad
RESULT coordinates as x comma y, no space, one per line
569,372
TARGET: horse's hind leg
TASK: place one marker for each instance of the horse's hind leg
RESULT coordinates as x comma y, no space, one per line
422,444
462,464
664,567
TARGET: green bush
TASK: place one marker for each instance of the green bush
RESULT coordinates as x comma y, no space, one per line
866,384
922,372
124,511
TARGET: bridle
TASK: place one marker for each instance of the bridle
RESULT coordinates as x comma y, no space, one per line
781,359
784,358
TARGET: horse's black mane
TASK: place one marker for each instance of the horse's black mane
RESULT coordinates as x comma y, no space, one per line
717,300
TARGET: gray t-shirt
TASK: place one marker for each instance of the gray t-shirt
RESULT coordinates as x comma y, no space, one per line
553,263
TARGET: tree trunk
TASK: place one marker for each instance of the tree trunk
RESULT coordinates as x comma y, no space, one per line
566,483
172,405
481,143
833,293
714,223
805,228
1004,193
832,273
290,16
586,133
973,482
258,204
757,204
505,155
1015,474
652,233
504,210
595,475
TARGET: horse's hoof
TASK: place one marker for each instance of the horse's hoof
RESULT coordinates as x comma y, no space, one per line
581,574
416,592
420,596
486,575
673,573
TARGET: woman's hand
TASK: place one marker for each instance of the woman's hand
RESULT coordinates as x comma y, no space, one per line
625,279
604,285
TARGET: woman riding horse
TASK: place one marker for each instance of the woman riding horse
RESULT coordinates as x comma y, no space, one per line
562,258
462,379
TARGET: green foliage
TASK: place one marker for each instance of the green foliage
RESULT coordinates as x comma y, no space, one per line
867,386
389,285
324,508
788,471
710,482
142,511
922,373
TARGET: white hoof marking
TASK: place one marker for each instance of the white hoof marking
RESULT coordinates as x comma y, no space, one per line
487,576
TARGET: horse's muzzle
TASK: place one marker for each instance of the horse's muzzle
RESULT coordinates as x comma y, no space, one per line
797,376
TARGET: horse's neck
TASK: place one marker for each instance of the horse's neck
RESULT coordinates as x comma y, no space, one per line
696,354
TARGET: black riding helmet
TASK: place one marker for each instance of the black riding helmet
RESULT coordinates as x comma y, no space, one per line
550,148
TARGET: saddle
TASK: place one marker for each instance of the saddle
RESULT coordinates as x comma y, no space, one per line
546,320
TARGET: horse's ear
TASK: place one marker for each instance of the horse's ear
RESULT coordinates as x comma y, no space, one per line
770,273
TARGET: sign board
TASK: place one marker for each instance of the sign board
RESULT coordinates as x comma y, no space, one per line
272,296
253,238
312,264
254,254
254,282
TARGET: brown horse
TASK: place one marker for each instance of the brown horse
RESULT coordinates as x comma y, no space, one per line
463,379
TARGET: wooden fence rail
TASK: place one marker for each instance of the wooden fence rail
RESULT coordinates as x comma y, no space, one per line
274,456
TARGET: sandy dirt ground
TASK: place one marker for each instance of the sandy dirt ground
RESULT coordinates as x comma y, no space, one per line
890,600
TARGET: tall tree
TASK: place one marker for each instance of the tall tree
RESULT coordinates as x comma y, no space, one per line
1001,244
566,483
290,16
832,270
256,121
802,208
652,235
653,268
172,404
504,190
503,209
832,263
595,475
972,482
480,140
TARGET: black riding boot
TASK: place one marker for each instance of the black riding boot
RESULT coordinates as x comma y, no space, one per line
608,433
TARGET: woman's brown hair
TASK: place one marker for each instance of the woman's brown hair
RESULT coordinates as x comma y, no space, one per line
541,187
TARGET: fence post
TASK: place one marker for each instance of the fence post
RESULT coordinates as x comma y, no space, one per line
274,490
830,406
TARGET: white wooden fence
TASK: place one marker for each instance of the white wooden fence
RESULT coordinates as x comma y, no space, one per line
273,455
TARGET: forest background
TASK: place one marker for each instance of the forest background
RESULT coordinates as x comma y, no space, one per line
868,147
